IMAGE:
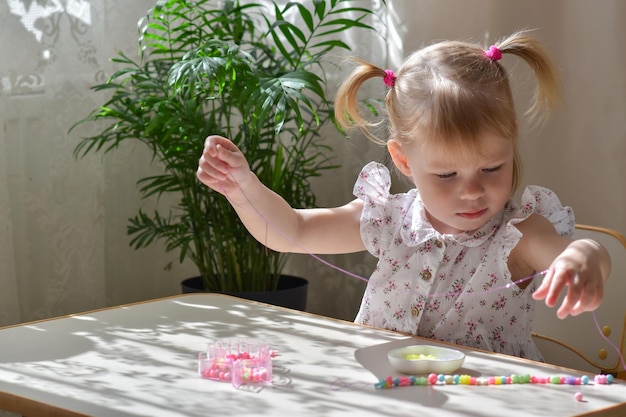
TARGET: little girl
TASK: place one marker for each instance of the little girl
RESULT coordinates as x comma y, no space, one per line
455,252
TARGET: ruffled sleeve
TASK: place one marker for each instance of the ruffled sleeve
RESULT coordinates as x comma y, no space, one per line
542,201
545,202
372,186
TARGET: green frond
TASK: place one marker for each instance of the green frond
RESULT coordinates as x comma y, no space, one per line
249,72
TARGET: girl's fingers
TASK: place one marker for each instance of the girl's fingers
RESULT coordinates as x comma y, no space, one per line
541,292
555,282
552,285
206,178
218,161
231,158
582,294
590,299
573,296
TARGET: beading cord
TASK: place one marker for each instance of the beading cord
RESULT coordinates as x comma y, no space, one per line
444,294
290,239
607,340
351,274
441,379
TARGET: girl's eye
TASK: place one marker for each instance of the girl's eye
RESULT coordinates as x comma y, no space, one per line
494,169
446,176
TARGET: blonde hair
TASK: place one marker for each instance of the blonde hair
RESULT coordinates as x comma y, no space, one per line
453,92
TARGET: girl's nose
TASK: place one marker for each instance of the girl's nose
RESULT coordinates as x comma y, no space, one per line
472,189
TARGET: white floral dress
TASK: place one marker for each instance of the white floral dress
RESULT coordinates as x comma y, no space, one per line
450,287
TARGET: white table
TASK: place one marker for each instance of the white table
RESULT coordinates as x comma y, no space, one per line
141,360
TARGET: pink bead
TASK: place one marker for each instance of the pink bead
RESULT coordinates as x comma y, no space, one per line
600,379
492,380
473,381
578,396
432,379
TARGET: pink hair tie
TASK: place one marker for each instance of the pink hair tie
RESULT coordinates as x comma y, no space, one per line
390,78
493,53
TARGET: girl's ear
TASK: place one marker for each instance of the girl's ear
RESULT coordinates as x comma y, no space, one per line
399,158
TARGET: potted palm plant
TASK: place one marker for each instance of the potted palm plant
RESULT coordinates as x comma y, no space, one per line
251,72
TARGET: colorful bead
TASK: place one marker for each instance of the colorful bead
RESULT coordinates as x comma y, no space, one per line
578,396
442,379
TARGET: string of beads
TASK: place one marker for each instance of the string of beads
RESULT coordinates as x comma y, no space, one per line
441,379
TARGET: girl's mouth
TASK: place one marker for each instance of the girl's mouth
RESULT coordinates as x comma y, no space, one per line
471,215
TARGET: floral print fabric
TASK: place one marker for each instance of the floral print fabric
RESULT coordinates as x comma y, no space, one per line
450,287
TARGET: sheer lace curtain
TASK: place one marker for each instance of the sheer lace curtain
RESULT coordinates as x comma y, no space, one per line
63,245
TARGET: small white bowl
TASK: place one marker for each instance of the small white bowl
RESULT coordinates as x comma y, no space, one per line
422,359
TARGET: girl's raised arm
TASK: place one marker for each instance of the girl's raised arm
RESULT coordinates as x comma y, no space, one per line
267,216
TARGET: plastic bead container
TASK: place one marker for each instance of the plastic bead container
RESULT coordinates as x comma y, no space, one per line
240,361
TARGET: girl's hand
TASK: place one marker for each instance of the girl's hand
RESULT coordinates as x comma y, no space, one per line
223,167
582,268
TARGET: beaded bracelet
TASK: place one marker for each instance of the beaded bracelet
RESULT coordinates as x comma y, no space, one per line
441,379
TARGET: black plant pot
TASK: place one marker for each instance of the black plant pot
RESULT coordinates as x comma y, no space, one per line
291,292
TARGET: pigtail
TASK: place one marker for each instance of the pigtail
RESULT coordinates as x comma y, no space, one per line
548,93
347,106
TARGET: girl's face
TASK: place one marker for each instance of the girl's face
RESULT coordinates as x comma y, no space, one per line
461,191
